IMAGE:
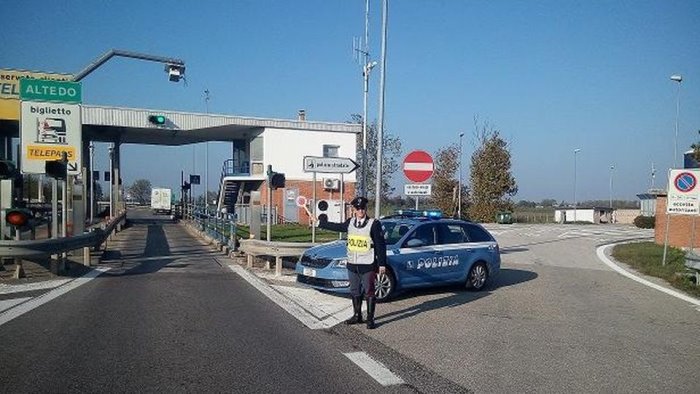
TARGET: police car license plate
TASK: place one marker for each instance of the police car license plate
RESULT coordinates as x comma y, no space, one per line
309,272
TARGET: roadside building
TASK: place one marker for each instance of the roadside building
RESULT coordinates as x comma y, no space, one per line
595,215
680,227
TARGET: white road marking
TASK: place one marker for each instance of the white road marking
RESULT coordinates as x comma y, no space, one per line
375,369
7,304
25,307
294,309
601,255
49,284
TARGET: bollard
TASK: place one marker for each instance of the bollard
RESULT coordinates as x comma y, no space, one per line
86,256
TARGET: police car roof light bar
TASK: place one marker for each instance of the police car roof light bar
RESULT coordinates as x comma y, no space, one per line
431,213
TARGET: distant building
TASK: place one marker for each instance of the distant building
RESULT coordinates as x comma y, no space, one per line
584,214
648,201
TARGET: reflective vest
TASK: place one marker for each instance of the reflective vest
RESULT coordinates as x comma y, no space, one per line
360,247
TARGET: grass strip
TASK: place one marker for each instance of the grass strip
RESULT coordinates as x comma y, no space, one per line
646,257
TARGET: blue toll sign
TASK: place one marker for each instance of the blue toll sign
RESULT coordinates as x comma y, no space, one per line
685,182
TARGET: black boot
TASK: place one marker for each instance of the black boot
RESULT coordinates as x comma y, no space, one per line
371,302
357,308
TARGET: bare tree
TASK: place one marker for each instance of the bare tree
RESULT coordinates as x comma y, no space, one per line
140,191
445,183
391,149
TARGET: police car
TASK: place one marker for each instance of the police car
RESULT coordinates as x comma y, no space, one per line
423,249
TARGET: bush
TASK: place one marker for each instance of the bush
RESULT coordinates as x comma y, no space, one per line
645,221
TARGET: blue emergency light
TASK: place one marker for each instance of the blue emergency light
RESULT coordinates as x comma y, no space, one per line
430,213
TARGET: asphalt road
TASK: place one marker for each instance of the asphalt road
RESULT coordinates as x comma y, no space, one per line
168,317
557,320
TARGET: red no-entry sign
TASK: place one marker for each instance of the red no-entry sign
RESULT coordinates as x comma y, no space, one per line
418,166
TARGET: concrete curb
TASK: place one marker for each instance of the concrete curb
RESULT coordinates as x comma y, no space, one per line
600,252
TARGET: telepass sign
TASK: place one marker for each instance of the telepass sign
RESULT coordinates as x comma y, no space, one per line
50,124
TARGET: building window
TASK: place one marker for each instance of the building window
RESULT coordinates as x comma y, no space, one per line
330,150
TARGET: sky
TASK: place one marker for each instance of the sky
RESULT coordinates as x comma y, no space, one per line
551,76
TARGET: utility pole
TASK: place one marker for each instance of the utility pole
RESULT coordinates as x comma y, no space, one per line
206,160
380,131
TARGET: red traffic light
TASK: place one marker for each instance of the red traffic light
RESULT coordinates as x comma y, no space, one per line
17,217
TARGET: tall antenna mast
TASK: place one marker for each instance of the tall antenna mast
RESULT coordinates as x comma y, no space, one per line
653,174
360,48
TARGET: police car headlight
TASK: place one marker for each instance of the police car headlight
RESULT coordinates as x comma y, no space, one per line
341,263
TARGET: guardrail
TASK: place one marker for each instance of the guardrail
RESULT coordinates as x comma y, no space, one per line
47,247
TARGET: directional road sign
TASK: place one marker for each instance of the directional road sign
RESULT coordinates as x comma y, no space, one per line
50,124
329,165
683,192
418,166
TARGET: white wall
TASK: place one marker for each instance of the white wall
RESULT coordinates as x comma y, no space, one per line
582,215
285,150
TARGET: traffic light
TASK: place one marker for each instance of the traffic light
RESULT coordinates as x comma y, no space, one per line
277,180
7,169
157,120
322,211
186,186
57,169
18,217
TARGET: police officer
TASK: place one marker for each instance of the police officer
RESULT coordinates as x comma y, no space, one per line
366,250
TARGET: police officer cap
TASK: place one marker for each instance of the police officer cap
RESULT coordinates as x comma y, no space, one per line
359,203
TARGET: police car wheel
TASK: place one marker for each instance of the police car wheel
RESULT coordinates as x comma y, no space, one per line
384,286
478,275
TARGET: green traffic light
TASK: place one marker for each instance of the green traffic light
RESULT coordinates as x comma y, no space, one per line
157,119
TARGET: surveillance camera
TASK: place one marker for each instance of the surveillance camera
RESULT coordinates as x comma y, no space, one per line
175,72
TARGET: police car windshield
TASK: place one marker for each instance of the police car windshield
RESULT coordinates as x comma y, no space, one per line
395,230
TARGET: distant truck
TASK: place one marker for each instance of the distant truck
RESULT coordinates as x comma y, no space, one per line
161,201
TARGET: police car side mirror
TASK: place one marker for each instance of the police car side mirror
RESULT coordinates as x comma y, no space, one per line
414,243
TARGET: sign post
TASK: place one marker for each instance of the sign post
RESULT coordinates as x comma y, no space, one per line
418,167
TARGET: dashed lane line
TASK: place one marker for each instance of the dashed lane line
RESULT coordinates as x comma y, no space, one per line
601,255
374,368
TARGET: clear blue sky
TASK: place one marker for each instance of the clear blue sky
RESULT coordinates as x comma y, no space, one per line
551,75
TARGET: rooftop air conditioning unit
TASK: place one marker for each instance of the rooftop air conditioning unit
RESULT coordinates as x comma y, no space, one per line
331,184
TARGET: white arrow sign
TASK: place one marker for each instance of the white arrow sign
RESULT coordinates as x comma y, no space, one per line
329,165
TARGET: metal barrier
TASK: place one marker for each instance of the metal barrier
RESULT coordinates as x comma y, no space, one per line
47,247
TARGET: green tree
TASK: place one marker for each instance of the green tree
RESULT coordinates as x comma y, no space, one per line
391,152
548,202
445,182
696,150
140,191
492,183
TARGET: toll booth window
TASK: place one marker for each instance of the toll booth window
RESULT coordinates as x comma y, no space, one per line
330,150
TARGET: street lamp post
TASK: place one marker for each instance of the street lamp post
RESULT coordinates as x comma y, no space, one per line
380,130
111,181
679,79
92,182
577,150
459,181
611,184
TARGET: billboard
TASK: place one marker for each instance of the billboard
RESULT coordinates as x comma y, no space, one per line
9,89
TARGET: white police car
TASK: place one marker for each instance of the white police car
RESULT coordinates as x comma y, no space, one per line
423,249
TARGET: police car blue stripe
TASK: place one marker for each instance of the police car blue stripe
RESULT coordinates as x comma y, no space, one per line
464,245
